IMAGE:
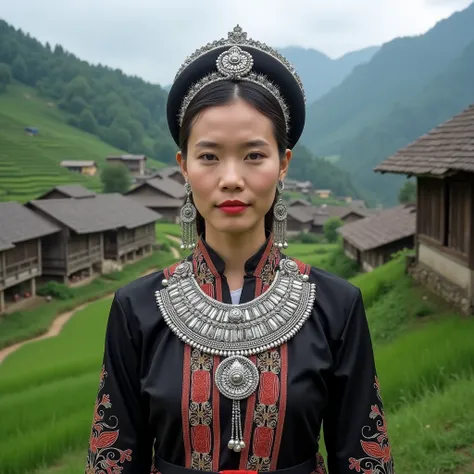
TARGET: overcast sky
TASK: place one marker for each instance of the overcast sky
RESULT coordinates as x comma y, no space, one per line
150,38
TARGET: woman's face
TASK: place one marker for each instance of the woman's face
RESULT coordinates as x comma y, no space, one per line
233,167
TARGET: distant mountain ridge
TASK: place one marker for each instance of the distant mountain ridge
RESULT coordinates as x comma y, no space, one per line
396,74
319,73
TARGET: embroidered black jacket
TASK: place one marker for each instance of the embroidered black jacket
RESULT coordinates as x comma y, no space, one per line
157,396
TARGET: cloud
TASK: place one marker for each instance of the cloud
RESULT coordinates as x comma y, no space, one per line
151,38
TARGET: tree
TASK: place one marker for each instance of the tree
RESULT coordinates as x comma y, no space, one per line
407,193
330,228
19,69
5,76
87,121
115,178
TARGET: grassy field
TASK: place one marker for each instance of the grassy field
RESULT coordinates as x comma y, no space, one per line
29,166
424,355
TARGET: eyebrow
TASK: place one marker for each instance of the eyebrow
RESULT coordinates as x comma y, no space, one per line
249,144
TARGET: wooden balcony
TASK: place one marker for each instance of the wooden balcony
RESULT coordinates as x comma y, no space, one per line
131,245
18,272
83,259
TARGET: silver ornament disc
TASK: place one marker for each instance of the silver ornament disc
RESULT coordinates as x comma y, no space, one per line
237,377
234,62
188,213
280,211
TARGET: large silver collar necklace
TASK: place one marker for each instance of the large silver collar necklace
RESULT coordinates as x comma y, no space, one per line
236,331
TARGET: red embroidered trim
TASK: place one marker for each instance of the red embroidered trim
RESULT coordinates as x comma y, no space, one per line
200,398
102,455
379,455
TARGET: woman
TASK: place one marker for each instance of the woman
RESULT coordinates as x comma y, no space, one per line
233,358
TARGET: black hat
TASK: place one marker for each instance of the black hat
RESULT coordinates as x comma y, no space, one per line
239,58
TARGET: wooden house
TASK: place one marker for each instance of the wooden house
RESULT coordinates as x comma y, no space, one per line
134,163
88,168
162,195
72,191
108,226
323,193
443,163
21,233
372,241
299,219
172,172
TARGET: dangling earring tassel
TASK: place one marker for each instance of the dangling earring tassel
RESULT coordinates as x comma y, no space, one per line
280,213
188,221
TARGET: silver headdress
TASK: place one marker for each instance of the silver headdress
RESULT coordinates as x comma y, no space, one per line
237,63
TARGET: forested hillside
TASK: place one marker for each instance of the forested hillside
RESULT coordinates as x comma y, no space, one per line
411,85
396,74
125,112
319,72
447,95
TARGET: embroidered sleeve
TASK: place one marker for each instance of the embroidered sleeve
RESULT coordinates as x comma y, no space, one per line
355,428
119,440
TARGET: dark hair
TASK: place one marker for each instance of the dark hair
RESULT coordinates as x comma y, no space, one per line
222,93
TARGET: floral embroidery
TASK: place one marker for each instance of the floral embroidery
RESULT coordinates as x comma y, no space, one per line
379,457
267,273
320,466
103,457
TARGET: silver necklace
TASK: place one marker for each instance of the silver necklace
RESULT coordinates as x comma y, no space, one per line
236,331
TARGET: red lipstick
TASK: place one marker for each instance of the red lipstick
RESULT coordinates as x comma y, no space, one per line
233,207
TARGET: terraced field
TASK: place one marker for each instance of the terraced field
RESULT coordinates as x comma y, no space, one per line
29,165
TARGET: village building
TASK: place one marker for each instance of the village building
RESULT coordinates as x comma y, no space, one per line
108,226
299,219
323,193
21,232
443,163
372,241
85,167
72,191
162,195
134,163
170,172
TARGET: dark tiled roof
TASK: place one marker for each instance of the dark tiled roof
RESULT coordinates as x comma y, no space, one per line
300,214
386,226
342,211
127,157
104,212
168,171
78,163
18,223
448,147
157,201
4,245
299,202
166,185
73,191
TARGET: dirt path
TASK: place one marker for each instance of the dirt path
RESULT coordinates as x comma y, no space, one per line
56,326
174,250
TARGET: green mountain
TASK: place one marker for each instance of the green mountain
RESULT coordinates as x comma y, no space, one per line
319,72
123,111
445,96
396,75
87,112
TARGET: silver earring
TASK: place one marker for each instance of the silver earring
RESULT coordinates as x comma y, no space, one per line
188,221
280,213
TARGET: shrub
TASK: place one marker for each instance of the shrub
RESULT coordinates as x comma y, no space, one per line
330,229
338,263
57,290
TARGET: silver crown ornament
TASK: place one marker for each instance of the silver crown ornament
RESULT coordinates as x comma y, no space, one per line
236,64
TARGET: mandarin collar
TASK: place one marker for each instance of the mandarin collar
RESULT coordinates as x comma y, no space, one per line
253,265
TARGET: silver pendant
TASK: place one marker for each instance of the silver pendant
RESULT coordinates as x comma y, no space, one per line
236,378
236,331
